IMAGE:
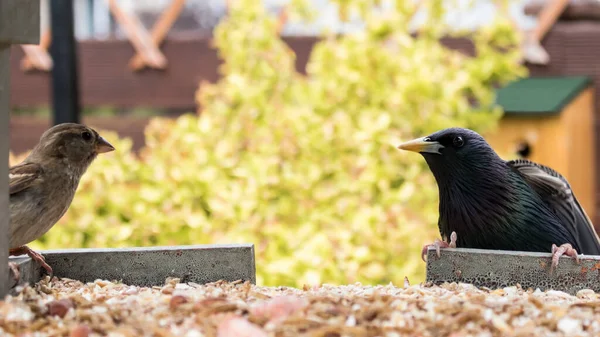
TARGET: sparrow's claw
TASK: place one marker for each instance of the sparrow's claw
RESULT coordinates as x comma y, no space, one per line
40,259
15,269
37,257
439,244
564,249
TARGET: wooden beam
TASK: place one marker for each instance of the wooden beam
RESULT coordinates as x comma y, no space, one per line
160,30
19,24
139,37
4,146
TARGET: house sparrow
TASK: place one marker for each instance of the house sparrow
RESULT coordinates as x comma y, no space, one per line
489,203
42,187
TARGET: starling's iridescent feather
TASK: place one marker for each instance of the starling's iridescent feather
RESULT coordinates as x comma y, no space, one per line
22,176
497,209
556,192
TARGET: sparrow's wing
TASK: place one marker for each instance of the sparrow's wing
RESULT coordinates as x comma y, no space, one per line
556,192
22,176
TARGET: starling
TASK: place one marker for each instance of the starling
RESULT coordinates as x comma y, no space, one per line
42,187
486,202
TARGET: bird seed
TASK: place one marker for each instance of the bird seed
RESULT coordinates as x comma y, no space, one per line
70,308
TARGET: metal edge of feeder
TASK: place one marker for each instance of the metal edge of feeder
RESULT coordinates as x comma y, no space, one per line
146,266
28,272
498,269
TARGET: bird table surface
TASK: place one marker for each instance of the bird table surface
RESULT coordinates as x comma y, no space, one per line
241,309
497,269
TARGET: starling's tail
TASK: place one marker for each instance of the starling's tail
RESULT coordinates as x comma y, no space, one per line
588,238
556,192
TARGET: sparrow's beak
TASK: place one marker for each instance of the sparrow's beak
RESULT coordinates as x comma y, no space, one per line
421,145
102,146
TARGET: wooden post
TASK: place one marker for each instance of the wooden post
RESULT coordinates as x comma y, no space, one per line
19,23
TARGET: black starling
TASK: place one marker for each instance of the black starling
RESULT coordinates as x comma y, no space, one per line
488,203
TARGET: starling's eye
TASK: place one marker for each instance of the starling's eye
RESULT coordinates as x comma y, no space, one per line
86,135
458,141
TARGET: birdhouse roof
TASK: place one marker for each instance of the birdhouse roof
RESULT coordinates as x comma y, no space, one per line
540,95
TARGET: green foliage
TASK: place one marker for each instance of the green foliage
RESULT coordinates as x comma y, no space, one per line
303,166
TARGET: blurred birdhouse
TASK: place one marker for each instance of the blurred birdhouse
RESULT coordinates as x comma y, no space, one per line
550,120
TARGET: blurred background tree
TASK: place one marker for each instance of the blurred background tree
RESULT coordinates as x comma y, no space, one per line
303,166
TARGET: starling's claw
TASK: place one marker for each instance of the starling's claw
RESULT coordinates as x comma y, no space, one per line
15,269
37,257
435,245
438,244
452,240
564,249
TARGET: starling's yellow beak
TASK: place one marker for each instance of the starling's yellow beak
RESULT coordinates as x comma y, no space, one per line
102,146
422,144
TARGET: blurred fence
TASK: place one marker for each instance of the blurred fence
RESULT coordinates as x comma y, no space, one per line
172,52
106,80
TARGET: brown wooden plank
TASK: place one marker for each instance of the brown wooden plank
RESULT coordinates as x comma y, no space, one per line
105,80
160,30
139,36
575,10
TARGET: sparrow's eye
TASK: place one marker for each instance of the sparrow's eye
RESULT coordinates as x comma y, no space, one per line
86,135
458,141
